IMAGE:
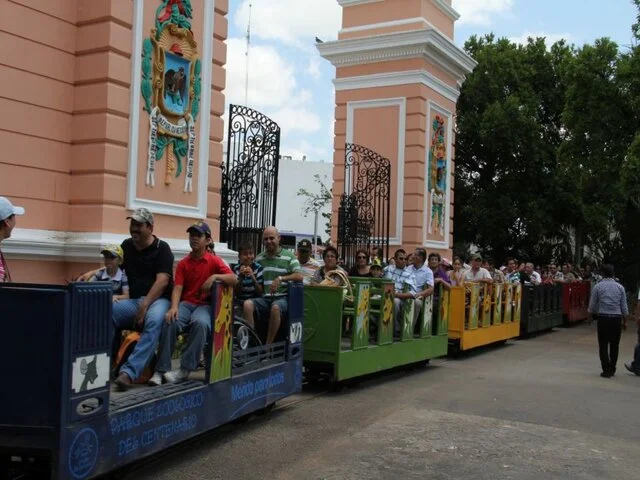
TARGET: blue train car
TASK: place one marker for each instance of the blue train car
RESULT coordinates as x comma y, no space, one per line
58,409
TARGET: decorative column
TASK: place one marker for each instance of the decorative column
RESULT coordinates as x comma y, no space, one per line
116,105
398,75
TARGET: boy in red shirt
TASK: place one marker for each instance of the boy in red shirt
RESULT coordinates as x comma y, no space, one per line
190,306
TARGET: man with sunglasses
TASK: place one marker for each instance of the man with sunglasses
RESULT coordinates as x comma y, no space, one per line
8,214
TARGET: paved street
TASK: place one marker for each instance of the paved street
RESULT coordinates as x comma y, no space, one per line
533,409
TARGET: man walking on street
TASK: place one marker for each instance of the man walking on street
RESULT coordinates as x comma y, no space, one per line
608,304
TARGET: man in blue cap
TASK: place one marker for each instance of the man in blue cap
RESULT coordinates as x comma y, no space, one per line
190,306
8,213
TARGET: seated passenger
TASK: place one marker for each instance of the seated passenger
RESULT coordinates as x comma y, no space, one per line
376,268
477,274
330,257
402,279
250,280
361,268
423,278
148,263
190,306
111,272
280,267
456,275
308,264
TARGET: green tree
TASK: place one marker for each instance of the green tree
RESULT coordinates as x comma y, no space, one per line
508,130
315,202
597,118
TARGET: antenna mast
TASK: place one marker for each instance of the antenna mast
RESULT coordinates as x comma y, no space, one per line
246,78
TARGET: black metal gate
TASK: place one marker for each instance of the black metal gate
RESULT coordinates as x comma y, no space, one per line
364,212
249,177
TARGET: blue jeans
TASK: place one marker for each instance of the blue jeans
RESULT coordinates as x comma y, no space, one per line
196,319
124,313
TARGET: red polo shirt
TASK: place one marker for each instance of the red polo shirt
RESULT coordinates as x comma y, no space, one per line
191,273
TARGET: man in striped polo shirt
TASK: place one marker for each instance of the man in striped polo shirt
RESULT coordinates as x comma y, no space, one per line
280,267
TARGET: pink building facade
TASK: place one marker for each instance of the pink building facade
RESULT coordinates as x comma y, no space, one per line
108,106
398,77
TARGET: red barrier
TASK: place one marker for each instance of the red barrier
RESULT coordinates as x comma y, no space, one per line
575,301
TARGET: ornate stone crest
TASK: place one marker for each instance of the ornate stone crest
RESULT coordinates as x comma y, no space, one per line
437,178
171,86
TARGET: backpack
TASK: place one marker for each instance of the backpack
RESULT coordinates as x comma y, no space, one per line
127,346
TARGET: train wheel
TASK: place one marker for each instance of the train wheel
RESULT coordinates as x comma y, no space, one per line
337,387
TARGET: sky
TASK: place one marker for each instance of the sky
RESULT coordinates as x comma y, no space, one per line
292,84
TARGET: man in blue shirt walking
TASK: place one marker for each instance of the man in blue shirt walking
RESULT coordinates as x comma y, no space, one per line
608,304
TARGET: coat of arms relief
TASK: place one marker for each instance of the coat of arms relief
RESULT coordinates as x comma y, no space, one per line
171,87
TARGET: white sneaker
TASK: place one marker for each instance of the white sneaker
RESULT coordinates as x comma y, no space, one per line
176,376
156,379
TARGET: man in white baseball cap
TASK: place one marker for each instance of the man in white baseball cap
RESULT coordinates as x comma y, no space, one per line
8,213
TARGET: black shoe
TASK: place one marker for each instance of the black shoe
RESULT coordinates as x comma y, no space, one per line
606,374
629,366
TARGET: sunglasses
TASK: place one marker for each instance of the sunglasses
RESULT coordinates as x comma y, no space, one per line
109,255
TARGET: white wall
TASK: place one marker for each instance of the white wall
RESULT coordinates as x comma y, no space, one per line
292,176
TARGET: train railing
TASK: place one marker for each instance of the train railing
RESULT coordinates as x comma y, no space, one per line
575,301
481,314
368,319
541,307
479,305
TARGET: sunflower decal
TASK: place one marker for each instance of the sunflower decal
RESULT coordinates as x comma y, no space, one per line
388,307
221,367
362,315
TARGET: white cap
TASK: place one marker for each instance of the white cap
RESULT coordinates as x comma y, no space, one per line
7,209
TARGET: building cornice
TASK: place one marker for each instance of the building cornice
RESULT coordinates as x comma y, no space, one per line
447,9
353,3
51,245
393,79
427,43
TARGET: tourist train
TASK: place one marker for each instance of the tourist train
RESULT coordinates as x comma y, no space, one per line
61,416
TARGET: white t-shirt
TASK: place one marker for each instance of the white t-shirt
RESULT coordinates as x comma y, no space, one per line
481,274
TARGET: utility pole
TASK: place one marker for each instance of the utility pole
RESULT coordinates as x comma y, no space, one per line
246,78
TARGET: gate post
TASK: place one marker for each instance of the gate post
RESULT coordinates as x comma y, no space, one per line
397,84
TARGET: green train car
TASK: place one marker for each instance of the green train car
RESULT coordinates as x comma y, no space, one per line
351,335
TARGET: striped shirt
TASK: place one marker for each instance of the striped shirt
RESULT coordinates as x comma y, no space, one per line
246,287
284,262
4,269
400,278
119,281
309,269
608,298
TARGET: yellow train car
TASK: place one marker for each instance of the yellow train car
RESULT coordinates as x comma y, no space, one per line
481,314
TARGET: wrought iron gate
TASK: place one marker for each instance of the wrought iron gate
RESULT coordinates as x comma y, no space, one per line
249,177
363,215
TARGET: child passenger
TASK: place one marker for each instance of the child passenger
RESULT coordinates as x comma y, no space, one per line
375,269
250,280
190,306
111,272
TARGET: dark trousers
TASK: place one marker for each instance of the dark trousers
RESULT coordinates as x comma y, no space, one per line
636,354
609,331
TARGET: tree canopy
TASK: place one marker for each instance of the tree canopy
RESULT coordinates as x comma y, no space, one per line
548,152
